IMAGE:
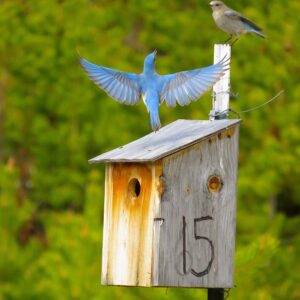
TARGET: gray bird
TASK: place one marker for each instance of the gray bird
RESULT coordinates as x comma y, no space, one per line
233,22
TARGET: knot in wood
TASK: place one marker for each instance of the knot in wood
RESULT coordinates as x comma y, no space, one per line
161,185
214,183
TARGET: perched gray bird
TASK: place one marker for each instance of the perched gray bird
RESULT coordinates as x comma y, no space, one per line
233,22
182,87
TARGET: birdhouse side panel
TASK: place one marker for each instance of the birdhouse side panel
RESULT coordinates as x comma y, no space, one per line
196,240
130,201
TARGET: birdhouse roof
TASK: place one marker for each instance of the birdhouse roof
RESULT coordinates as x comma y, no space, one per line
172,138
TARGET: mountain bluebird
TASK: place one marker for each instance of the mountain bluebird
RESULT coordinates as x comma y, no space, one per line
179,87
233,22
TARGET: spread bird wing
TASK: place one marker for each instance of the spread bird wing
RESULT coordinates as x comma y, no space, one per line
121,86
185,86
237,16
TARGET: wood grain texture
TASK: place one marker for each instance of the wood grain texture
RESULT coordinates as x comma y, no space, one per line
195,219
170,139
127,255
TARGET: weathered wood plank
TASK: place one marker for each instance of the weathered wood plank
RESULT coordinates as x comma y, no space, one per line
196,241
168,140
131,198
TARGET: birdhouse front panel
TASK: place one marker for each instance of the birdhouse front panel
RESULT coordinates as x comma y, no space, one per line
131,196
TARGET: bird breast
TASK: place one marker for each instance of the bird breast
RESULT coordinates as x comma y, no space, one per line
229,25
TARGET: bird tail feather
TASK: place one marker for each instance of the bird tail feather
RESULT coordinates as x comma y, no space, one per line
259,33
154,119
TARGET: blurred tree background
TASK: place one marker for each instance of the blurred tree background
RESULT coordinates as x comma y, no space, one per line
53,119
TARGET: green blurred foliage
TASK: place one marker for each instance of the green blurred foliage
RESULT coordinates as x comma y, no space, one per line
53,119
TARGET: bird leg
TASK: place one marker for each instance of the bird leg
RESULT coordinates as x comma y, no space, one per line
234,42
230,37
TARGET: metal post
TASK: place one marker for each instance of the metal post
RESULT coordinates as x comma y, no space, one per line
215,294
220,108
221,90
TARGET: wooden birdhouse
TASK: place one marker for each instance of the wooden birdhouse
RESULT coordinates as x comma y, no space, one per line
170,207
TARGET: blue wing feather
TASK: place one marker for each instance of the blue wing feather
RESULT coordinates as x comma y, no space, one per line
187,86
123,87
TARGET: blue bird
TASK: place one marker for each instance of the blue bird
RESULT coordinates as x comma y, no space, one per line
174,88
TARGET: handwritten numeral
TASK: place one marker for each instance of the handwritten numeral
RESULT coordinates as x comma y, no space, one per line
197,237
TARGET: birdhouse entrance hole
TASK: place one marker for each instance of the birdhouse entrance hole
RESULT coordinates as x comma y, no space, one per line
134,188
